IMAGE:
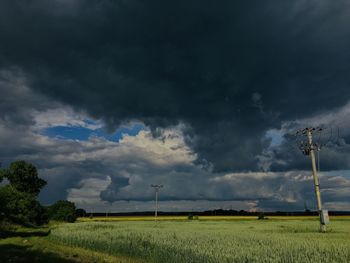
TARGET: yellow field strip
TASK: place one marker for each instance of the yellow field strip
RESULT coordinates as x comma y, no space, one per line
184,218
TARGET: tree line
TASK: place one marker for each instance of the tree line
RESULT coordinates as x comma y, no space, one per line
19,202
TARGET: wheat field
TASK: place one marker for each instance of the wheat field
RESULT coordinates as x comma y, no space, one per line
212,241
201,218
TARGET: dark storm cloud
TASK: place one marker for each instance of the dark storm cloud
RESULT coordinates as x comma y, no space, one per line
230,70
101,173
333,140
17,100
331,157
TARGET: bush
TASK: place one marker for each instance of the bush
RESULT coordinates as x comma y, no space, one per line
62,210
261,216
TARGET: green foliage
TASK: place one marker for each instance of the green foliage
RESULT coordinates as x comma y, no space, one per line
20,207
18,201
192,217
212,241
2,173
62,210
24,177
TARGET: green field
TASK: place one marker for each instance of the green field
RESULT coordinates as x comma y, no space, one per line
273,240
212,241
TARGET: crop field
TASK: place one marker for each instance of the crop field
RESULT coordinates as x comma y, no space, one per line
274,240
202,218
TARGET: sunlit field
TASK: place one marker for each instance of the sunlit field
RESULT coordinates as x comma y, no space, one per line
217,218
160,218
273,240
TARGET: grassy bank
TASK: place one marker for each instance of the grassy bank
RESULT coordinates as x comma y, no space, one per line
20,244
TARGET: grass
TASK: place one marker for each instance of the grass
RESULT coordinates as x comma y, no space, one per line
19,250
20,244
42,250
176,239
211,241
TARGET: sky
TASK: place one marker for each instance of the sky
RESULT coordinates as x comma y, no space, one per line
108,97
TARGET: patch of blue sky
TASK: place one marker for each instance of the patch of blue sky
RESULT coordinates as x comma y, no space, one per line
343,173
83,133
90,122
276,137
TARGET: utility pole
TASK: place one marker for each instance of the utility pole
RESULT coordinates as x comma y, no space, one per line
308,148
156,187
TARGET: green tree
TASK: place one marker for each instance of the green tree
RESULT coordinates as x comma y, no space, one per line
20,207
18,200
24,177
62,210
80,212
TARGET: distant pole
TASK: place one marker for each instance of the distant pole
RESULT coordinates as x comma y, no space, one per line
156,187
309,148
156,212
92,213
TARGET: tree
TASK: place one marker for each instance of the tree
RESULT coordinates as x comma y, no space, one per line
24,177
62,210
80,212
18,200
20,207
